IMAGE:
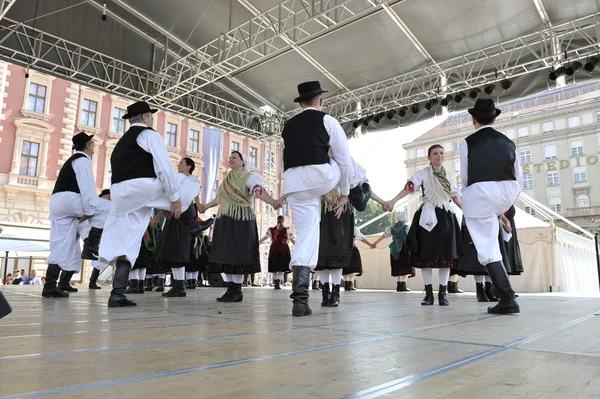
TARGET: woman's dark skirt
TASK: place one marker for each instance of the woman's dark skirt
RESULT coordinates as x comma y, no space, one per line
279,258
336,240
198,257
469,265
234,248
144,259
514,262
402,266
355,263
439,248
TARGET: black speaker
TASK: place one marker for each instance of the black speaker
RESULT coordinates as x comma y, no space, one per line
216,280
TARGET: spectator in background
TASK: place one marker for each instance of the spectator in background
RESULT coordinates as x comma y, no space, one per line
17,277
32,279
9,279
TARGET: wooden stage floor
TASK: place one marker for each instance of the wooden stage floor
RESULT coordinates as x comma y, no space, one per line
376,344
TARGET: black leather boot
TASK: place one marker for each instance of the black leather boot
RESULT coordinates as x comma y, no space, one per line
177,290
193,226
315,285
428,300
148,286
457,290
442,297
91,244
501,283
132,287
300,291
398,286
64,282
277,284
351,286
490,293
227,293
403,287
236,294
117,295
94,279
50,289
160,285
346,286
453,288
192,283
140,286
325,292
334,298
481,297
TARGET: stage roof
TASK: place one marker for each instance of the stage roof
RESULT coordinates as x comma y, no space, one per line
221,61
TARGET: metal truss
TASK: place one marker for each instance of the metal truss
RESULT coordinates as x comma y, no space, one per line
53,55
6,5
260,39
530,53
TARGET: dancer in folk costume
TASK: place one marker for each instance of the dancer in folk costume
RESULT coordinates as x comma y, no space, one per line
402,268
234,249
73,201
434,239
491,181
142,179
137,276
279,251
355,268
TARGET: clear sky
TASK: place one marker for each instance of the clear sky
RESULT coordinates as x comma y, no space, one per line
382,155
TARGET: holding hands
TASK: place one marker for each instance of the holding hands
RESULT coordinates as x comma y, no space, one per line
388,206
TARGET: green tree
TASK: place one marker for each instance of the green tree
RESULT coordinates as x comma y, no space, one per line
373,210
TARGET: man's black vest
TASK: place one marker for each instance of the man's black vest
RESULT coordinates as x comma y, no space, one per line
491,157
305,140
130,161
67,180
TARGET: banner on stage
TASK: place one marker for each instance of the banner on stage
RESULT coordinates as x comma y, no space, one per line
212,148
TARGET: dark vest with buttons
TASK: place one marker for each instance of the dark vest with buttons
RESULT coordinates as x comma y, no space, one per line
491,157
67,180
130,161
305,139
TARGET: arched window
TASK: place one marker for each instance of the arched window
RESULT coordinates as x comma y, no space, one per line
582,201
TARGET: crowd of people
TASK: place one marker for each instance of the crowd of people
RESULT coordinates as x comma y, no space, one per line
147,225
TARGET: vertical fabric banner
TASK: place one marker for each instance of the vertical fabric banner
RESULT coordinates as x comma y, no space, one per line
211,148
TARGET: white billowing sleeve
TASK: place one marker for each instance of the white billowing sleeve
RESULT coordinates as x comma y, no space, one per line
464,164
357,234
338,143
152,142
518,171
87,184
254,182
417,179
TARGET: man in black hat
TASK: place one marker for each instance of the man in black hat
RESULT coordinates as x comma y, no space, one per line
308,174
92,242
142,178
491,183
73,201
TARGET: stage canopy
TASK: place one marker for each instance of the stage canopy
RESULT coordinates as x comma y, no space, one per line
222,61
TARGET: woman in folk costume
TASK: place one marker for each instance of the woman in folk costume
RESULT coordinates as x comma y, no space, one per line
279,251
137,276
434,236
514,262
154,268
234,249
399,255
355,266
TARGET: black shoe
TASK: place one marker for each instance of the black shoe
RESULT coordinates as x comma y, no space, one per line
94,279
192,284
490,293
398,286
50,289
140,286
178,290
442,297
227,293
502,286
132,287
91,244
235,294
351,285
428,300
277,284
154,282
301,281
403,287
148,286
325,292
160,285
481,297
505,306
117,295
64,282
315,285
346,286
195,228
453,288
334,298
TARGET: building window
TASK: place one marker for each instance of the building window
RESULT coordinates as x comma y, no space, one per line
573,121
420,152
235,146
547,127
118,125
597,117
88,113
554,204
528,181
582,201
579,174
30,152
550,151
194,143
253,156
530,210
553,179
171,139
525,156
523,131
576,148
456,146
36,99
